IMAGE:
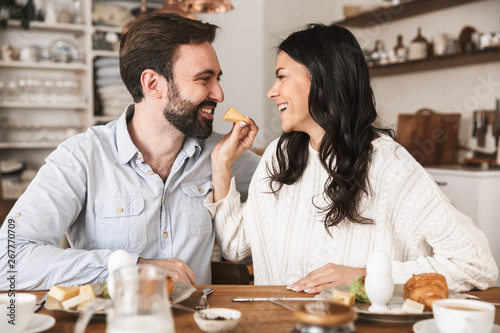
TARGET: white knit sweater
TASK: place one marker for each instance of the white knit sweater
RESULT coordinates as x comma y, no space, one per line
414,222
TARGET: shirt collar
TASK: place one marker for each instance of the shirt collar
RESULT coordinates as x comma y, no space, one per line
126,147
192,147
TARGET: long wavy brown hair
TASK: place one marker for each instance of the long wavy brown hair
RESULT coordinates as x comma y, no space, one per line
341,101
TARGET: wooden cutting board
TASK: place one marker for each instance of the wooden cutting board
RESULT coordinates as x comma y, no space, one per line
430,137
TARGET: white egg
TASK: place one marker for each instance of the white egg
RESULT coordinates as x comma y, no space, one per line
379,264
119,259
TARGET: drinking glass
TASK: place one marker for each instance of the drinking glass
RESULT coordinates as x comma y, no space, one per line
140,304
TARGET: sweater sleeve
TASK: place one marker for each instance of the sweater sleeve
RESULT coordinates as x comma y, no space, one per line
437,237
228,223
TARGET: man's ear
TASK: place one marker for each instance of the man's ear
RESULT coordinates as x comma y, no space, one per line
152,83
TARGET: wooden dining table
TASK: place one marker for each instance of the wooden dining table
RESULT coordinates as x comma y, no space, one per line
260,316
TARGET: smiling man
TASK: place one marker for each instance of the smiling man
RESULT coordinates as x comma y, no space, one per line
137,183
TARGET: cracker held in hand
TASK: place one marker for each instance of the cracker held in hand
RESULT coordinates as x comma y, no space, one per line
232,115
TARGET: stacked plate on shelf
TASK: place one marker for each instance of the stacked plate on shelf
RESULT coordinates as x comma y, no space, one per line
111,93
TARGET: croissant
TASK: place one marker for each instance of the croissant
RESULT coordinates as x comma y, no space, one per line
426,288
170,285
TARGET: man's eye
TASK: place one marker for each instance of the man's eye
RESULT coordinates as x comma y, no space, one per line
280,77
206,79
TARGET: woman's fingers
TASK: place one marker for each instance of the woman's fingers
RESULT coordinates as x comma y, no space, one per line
327,276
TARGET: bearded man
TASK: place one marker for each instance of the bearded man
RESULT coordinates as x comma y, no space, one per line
138,183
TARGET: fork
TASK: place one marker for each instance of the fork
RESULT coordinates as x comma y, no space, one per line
38,304
203,302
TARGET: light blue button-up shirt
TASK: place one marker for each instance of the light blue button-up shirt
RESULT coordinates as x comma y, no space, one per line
96,189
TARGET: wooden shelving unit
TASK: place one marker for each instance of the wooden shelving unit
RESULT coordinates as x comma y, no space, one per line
409,9
399,12
456,60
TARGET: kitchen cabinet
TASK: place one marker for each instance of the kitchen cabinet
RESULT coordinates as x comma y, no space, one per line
44,102
410,9
476,193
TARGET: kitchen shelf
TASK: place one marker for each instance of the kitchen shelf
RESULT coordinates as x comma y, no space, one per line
43,65
43,106
402,11
105,53
461,59
107,28
76,29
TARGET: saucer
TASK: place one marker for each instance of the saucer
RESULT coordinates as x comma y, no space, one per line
429,326
40,323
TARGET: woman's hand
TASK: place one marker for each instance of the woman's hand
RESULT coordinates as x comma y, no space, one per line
327,276
227,151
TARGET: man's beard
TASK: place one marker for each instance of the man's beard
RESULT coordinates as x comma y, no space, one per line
184,115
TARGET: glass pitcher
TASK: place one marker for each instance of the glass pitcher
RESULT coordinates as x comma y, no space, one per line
140,303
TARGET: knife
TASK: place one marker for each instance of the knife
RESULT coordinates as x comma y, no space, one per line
254,299
38,304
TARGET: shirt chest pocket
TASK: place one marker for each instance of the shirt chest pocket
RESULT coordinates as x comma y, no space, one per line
198,219
121,223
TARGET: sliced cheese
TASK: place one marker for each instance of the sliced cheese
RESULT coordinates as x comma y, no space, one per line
61,293
73,302
343,297
410,306
232,115
87,289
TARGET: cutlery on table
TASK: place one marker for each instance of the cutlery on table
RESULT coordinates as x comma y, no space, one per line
187,308
42,300
255,299
203,302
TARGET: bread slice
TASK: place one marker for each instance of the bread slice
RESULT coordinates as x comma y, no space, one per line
232,115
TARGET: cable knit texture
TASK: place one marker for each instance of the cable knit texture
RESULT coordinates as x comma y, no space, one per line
413,221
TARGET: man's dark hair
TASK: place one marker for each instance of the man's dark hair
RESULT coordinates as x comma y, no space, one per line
152,42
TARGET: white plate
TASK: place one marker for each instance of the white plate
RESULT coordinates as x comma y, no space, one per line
39,323
429,326
181,292
396,303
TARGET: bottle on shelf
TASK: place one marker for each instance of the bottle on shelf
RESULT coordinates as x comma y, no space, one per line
400,50
418,48
379,55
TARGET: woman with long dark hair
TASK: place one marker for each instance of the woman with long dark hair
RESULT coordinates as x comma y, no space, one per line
334,187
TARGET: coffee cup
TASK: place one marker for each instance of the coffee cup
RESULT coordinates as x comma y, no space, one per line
463,316
16,311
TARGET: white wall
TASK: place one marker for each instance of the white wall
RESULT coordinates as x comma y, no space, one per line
240,49
458,89
255,27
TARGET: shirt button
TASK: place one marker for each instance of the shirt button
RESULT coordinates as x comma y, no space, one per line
119,210
201,190
139,156
17,215
150,172
165,235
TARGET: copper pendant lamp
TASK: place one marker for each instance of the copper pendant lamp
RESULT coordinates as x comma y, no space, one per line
207,6
170,6
173,6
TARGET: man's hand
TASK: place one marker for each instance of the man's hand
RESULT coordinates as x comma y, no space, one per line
176,268
327,276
